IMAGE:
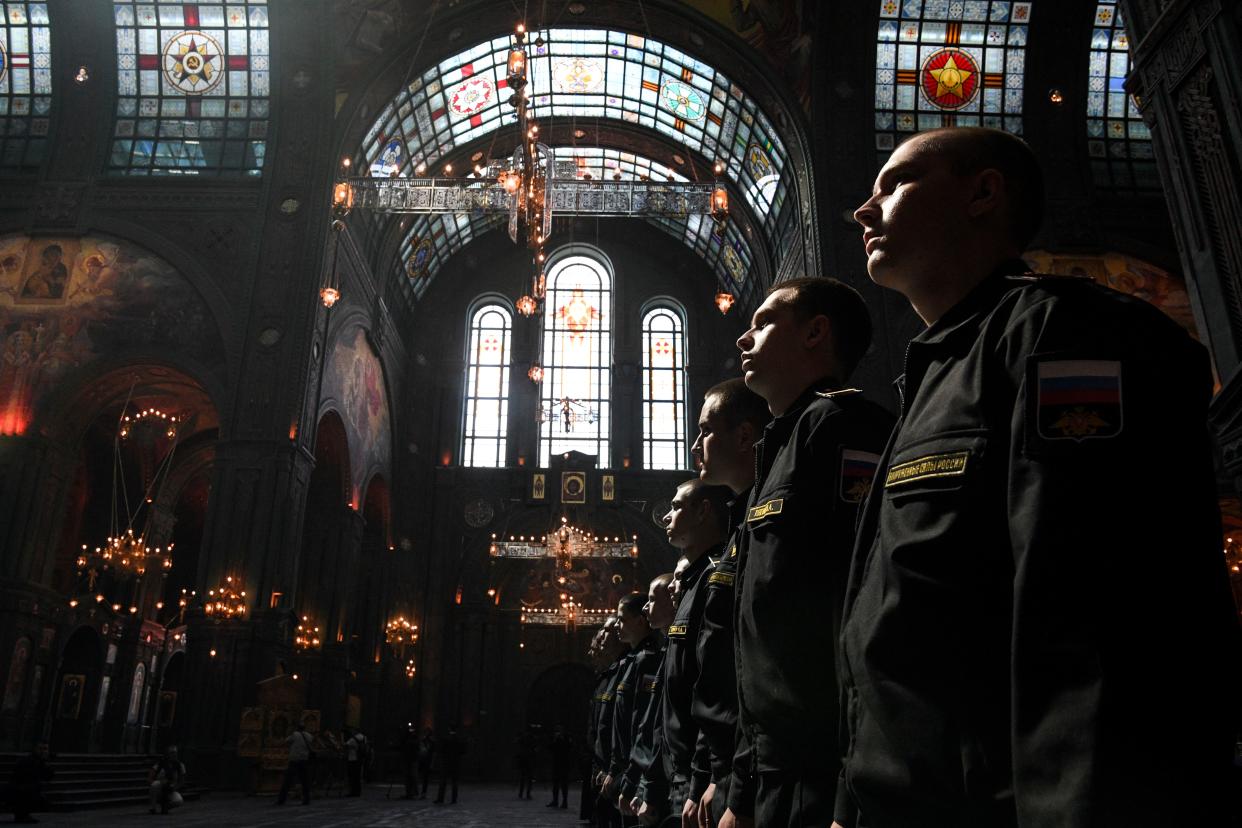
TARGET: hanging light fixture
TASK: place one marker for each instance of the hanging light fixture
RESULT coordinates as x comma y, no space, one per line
527,306
724,301
535,373
720,203
330,293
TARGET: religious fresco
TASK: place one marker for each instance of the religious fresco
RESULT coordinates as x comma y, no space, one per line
67,302
1125,274
780,30
354,381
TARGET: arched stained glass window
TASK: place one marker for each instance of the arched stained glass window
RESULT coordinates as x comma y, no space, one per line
25,84
949,63
585,73
192,88
1117,139
486,426
664,390
577,355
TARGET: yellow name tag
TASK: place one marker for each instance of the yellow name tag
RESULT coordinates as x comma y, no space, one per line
725,578
677,630
772,507
950,464
620,686
604,697
651,685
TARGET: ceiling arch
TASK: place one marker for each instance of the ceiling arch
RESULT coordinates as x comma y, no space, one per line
584,74
670,104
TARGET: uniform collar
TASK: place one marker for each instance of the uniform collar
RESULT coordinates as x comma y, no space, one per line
737,508
979,302
804,399
692,571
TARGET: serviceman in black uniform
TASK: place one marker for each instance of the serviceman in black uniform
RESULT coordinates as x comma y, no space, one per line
614,653
813,467
731,420
1038,630
696,524
634,689
644,770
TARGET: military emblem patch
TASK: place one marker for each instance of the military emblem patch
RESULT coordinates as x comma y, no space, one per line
1078,399
857,471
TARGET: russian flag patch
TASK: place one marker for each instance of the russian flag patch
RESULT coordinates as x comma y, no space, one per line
857,472
1078,399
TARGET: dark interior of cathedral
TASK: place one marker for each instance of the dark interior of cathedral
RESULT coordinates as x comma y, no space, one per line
352,351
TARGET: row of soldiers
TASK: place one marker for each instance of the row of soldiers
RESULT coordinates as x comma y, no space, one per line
1006,607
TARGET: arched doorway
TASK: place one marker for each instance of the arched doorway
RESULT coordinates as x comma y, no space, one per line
75,694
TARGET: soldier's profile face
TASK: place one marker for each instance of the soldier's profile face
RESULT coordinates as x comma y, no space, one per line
717,449
916,218
679,521
774,341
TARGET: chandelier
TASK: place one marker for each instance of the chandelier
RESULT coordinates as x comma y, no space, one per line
566,411
307,636
565,543
399,631
127,554
227,600
569,614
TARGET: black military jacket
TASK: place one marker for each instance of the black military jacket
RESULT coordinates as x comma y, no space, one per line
635,688
607,712
681,670
715,693
647,736
1039,549
812,468
601,708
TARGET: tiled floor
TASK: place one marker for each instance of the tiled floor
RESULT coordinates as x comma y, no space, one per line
478,807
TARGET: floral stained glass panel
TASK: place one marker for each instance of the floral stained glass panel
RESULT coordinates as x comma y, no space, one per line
193,87
949,63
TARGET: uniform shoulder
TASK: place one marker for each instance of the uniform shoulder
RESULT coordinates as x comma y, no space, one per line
851,401
1080,298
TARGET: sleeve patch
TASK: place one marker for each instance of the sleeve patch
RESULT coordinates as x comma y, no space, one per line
722,578
948,464
678,630
857,471
772,507
1078,399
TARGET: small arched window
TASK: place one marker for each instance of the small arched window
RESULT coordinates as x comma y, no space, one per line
486,421
577,350
664,389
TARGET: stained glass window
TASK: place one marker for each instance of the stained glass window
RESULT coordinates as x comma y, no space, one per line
585,73
486,422
577,359
193,81
949,63
1117,139
431,241
25,85
664,390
